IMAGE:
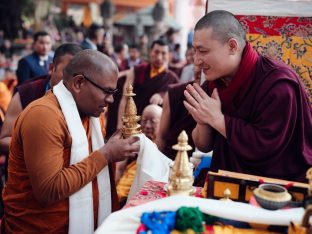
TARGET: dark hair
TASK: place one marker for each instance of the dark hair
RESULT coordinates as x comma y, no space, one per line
67,48
160,42
119,48
133,46
224,26
93,29
40,34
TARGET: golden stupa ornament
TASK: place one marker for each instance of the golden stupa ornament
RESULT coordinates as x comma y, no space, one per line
130,119
226,195
309,177
181,172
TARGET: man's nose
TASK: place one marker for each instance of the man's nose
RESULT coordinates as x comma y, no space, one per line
197,60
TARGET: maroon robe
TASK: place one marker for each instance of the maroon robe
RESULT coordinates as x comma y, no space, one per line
180,120
145,87
269,130
30,91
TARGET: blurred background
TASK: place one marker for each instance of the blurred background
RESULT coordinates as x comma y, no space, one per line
124,22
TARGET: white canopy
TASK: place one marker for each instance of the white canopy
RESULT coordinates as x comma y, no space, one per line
299,8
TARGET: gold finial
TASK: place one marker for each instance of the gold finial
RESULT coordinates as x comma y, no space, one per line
309,177
226,195
182,142
130,119
181,172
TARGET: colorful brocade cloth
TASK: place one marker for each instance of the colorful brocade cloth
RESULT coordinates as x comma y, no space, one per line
189,220
283,38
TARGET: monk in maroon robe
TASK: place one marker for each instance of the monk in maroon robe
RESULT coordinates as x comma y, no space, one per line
256,117
150,81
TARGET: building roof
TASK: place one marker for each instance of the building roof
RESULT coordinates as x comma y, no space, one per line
145,17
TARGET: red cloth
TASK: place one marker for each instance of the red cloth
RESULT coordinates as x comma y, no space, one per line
276,25
235,92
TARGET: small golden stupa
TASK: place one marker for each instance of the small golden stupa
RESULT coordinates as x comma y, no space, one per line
181,173
130,119
309,177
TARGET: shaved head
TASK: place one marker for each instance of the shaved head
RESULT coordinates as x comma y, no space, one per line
152,108
88,62
150,120
91,77
224,27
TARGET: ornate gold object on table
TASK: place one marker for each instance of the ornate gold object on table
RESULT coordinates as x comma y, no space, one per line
130,119
226,195
309,177
181,173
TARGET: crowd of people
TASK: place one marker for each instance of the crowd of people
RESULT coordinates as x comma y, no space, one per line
251,111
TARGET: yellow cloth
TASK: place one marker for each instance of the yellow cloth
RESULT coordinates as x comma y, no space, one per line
154,71
125,182
294,51
296,229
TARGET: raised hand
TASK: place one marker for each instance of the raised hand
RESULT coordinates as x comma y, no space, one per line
156,99
204,109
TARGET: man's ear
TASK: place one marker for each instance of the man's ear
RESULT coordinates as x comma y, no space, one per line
51,68
77,83
233,46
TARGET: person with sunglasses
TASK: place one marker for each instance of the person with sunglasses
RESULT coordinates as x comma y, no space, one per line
60,176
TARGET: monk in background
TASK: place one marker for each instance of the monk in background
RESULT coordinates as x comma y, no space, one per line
150,81
28,92
59,175
255,115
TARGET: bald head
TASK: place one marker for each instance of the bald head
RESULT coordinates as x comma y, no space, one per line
154,109
91,77
89,62
224,27
150,120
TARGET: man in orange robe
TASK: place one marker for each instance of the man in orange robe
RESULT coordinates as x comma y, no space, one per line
42,180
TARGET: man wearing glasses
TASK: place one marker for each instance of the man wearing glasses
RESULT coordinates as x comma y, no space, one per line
60,177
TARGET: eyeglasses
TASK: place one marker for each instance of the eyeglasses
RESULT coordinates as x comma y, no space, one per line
108,91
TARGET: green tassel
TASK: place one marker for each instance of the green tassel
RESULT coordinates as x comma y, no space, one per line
188,217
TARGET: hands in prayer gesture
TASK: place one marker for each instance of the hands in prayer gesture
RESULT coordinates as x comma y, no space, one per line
204,109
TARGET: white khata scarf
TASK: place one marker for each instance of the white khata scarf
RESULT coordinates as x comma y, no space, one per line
81,218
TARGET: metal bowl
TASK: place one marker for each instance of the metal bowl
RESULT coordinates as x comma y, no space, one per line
271,196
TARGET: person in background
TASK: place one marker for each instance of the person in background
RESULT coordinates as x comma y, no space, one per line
133,59
187,73
150,81
120,55
95,36
31,91
37,63
143,47
150,126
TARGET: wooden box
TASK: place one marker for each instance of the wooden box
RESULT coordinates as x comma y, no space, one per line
242,185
